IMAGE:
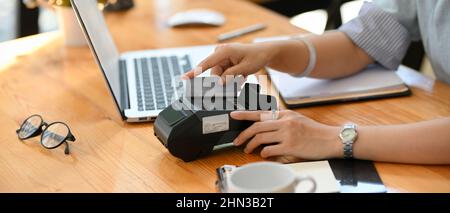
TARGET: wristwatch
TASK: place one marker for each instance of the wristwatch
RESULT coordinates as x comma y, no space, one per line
348,136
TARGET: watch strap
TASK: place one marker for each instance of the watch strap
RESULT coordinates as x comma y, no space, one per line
348,150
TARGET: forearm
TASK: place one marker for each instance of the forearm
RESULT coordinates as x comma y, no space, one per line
424,142
337,56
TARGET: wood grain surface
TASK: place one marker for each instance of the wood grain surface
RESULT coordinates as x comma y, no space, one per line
39,75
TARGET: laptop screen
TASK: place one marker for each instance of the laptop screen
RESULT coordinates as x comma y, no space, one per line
101,43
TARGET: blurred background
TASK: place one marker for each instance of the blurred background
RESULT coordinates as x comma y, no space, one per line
18,19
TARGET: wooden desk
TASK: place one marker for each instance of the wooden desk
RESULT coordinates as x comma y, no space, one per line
39,75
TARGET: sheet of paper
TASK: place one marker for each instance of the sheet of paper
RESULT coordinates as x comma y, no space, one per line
415,79
321,172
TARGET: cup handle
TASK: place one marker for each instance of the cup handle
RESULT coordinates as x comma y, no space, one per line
300,179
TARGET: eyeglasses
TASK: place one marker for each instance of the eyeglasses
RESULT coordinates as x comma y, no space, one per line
53,134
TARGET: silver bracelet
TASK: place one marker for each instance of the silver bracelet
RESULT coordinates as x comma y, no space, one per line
312,55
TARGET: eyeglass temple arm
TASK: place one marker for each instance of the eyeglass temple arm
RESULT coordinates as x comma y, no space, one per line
67,149
70,137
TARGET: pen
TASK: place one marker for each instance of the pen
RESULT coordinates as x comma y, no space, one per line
240,32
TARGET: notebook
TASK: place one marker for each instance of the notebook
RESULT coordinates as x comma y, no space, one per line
357,176
373,82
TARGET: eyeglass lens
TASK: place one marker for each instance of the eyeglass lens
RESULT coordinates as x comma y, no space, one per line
54,135
30,126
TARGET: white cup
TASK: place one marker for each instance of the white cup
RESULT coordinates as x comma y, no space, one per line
267,177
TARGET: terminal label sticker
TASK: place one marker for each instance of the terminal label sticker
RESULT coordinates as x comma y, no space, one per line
216,123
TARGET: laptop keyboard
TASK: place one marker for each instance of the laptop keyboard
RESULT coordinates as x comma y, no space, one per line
155,80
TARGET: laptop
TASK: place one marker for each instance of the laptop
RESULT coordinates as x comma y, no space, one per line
142,83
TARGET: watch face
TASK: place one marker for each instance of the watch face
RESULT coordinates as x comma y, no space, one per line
348,134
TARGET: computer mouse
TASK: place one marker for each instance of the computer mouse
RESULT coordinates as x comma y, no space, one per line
197,17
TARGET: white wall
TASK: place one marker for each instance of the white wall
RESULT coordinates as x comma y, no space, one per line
7,19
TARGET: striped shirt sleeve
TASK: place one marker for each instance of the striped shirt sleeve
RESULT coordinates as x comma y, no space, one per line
379,34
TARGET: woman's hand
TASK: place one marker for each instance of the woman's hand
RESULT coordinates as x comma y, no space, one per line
291,135
235,59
